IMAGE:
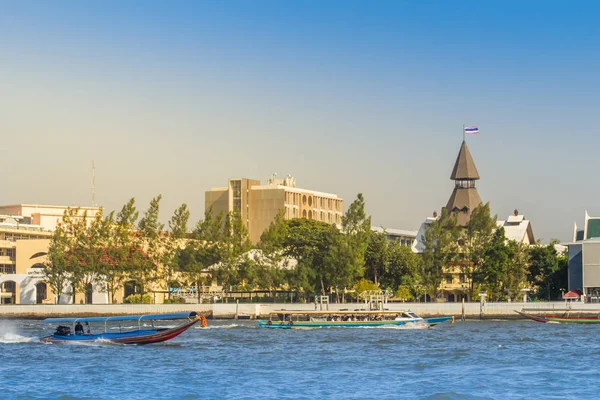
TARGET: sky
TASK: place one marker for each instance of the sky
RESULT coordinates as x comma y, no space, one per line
349,97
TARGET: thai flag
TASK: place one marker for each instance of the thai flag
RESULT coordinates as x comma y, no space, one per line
471,129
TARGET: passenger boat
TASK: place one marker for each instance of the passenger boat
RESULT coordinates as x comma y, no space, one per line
567,317
347,319
112,330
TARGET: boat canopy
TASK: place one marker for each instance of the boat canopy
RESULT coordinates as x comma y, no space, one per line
148,317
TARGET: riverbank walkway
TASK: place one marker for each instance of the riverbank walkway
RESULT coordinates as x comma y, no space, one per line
259,310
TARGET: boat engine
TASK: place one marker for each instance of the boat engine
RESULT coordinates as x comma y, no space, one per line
63,330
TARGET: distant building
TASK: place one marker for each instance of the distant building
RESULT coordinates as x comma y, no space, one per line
25,232
517,228
23,250
44,216
418,245
405,238
463,200
259,204
584,260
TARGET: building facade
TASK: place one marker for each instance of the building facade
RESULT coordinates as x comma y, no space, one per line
44,216
584,260
404,237
258,204
23,250
25,232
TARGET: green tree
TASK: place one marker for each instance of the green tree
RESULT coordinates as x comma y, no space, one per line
363,285
309,242
346,258
120,248
494,269
404,293
440,241
402,268
75,229
149,253
376,256
233,248
271,261
544,265
476,237
202,252
128,215
173,242
56,269
517,269
90,245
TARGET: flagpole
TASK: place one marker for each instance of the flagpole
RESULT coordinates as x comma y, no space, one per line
464,138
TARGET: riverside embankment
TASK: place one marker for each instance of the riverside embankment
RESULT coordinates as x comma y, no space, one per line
258,310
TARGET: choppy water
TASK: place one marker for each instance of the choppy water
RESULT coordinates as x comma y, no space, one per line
472,360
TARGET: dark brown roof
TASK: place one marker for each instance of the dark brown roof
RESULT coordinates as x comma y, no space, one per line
462,202
464,168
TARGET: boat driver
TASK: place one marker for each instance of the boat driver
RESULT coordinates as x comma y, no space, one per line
79,329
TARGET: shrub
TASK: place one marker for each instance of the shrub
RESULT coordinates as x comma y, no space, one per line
138,299
174,300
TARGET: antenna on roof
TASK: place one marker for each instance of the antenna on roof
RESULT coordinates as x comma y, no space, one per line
93,183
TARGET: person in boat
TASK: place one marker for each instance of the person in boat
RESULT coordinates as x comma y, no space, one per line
79,329
87,328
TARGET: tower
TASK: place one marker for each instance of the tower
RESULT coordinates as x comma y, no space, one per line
464,198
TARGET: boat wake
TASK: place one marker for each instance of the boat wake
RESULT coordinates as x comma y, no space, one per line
8,334
406,327
229,326
8,337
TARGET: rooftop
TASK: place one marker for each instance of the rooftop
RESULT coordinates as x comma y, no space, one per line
464,167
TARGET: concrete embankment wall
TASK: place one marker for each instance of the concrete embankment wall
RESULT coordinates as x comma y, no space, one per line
257,310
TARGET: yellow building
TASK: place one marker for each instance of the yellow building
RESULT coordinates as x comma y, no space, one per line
23,250
259,204
25,232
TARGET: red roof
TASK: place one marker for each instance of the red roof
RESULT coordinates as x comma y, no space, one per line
572,294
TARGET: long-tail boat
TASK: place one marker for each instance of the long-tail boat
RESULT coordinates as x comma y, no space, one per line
111,328
347,319
569,316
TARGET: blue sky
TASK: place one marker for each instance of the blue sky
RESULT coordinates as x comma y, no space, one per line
349,97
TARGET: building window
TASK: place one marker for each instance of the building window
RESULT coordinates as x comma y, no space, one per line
462,279
236,189
36,255
7,269
303,213
310,215
304,199
310,201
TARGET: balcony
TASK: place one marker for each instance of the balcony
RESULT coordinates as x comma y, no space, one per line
6,260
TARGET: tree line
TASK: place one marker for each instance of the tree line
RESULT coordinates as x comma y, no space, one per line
304,256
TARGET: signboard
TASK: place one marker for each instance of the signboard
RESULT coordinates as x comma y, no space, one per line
35,273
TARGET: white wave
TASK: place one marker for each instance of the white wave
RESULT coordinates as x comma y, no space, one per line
410,326
8,337
229,326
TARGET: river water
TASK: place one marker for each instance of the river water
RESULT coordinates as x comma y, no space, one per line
468,360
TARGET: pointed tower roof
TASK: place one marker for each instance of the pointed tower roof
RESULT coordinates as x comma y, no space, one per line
464,168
